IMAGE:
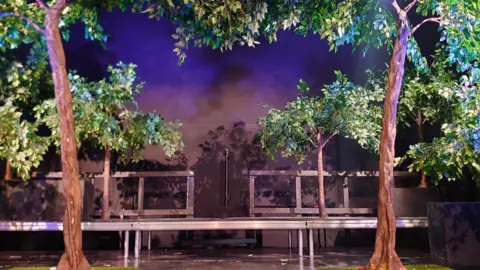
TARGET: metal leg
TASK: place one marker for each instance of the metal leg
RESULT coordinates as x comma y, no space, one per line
310,242
300,243
149,240
137,244
125,244
289,239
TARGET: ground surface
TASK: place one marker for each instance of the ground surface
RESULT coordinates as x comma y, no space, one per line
254,259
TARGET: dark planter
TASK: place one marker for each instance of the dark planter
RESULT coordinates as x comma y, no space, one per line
454,232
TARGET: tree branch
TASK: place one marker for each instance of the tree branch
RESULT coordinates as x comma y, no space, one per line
410,6
41,4
433,19
36,26
328,139
396,6
60,5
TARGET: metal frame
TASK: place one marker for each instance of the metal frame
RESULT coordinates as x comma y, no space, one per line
299,210
140,211
172,224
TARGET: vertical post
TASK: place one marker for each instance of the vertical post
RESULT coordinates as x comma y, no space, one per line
149,240
289,239
251,194
126,244
300,243
226,176
190,195
298,194
346,202
310,241
137,244
140,197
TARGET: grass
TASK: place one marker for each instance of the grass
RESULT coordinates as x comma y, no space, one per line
94,268
409,267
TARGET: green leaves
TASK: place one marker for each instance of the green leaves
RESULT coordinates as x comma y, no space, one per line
20,145
344,109
459,146
105,114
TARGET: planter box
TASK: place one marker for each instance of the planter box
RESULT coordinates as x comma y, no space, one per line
454,230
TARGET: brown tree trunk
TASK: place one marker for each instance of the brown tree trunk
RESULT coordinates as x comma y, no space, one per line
8,171
321,188
73,258
423,176
385,256
106,181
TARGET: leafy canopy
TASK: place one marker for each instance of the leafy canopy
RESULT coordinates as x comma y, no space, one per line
344,109
21,87
420,101
106,114
459,146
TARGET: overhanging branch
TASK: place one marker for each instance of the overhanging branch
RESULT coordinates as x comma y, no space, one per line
60,5
30,22
433,19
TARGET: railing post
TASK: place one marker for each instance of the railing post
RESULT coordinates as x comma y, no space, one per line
251,196
298,194
190,195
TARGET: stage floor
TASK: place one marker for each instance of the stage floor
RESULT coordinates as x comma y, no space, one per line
217,258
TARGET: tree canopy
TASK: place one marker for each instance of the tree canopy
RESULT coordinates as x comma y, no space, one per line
343,108
106,114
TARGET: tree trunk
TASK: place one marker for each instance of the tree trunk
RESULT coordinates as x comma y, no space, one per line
8,171
385,256
73,258
423,176
106,181
321,188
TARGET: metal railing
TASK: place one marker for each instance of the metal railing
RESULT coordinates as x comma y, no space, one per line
299,210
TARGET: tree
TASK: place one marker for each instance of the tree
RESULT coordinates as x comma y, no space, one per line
24,22
420,102
103,116
309,122
447,156
358,22
20,86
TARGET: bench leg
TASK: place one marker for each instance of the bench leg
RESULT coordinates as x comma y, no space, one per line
125,244
149,240
289,239
137,244
310,242
300,243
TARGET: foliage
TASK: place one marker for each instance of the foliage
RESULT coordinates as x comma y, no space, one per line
21,85
459,146
420,102
103,115
344,109
363,23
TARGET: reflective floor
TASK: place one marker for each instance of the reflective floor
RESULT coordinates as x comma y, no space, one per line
213,259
